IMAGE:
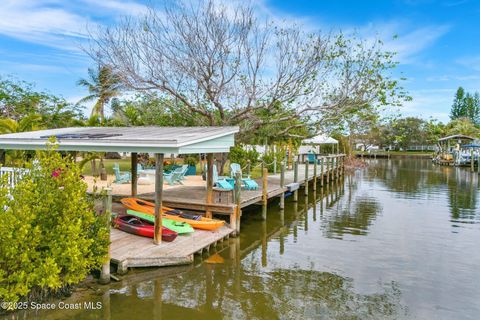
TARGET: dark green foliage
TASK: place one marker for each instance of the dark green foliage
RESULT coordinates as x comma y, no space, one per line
50,236
19,99
271,156
466,105
240,155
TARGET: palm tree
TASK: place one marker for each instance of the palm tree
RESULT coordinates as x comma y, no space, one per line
102,84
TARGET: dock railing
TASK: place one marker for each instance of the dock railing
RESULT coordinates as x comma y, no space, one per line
13,175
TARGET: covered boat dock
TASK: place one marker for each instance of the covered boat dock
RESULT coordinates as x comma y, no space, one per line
128,250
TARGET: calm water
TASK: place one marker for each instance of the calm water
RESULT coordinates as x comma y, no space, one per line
397,240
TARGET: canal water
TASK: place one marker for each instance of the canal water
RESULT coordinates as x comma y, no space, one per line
399,239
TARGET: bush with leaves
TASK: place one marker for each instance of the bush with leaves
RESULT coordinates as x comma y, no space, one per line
271,155
240,155
50,236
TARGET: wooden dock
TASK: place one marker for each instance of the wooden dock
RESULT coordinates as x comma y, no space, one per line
193,197
127,250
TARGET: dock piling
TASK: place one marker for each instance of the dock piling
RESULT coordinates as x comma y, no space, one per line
322,173
315,175
134,160
158,197
208,213
295,179
306,178
282,185
472,168
107,211
264,193
238,210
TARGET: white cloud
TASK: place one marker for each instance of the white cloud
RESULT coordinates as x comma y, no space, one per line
40,23
471,62
119,6
429,103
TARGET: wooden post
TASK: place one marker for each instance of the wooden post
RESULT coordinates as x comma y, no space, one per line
332,171
264,193
282,185
133,162
208,214
157,237
472,168
107,211
322,175
315,174
248,167
306,178
328,169
201,163
338,166
238,202
295,179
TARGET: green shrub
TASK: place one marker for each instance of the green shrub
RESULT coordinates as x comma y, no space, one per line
50,236
240,155
190,160
269,157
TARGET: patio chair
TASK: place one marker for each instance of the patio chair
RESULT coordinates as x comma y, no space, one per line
173,178
220,182
182,171
121,176
247,182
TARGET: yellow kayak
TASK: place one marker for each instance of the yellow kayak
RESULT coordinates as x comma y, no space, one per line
197,222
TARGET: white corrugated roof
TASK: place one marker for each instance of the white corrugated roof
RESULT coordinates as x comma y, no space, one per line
127,139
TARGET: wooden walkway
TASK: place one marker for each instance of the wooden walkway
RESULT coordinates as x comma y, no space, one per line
193,197
127,250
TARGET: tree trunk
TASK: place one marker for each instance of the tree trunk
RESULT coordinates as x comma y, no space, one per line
94,168
2,157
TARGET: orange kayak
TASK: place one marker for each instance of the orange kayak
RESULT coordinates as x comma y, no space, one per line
197,222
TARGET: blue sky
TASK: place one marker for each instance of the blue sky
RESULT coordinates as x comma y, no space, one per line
438,41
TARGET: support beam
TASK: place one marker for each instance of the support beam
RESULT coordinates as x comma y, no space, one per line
322,175
134,161
306,178
209,182
295,179
157,239
107,211
264,193
282,185
238,201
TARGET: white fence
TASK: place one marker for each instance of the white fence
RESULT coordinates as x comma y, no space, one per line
13,175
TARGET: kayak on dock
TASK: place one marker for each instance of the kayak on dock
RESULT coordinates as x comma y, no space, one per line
196,221
177,226
135,225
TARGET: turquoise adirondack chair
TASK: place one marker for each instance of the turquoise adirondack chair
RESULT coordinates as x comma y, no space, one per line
182,171
121,176
219,181
247,182
173,177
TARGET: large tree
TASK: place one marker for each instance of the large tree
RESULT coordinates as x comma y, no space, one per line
103,85
19,99
466,105
224,65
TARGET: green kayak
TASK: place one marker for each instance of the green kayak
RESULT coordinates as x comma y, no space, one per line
177,226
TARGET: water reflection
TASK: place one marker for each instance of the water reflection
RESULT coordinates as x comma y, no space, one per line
377,245
417,179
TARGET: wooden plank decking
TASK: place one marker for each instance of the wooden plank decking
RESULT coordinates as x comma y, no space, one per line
193,197
127,250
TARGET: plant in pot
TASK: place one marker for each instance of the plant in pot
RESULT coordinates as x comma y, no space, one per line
192,165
